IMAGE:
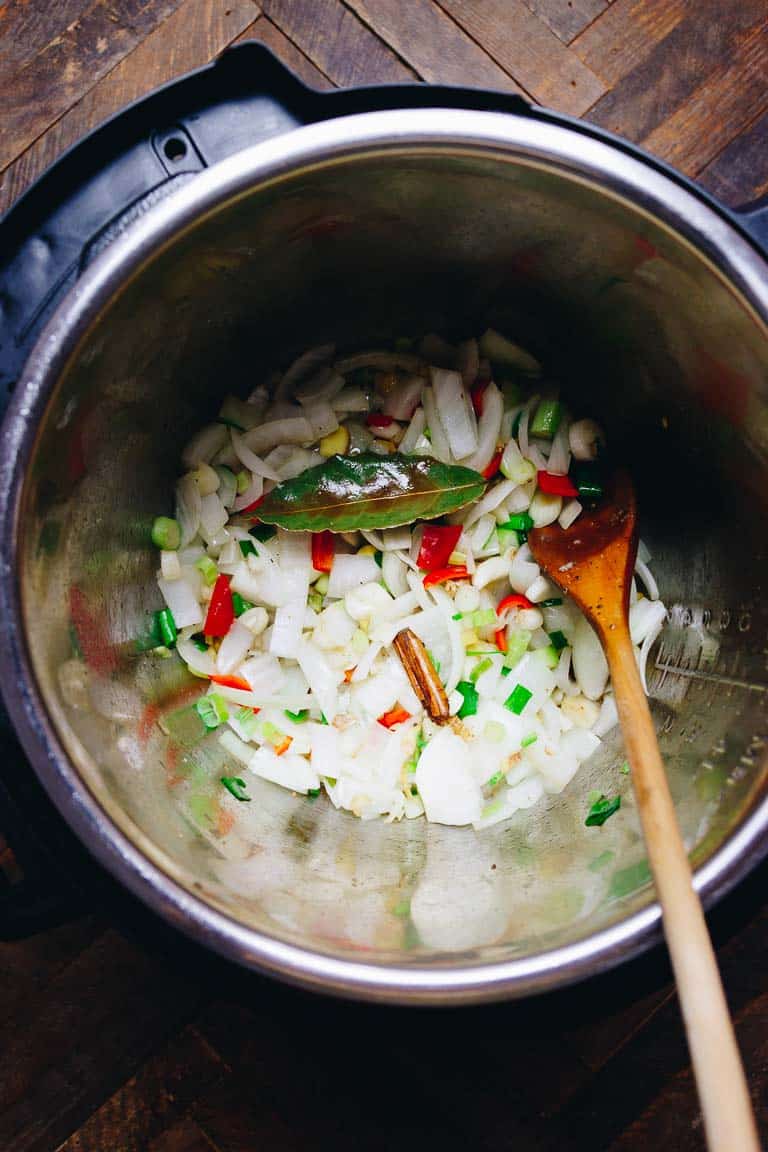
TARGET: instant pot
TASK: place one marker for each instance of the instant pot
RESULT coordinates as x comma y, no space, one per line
202,239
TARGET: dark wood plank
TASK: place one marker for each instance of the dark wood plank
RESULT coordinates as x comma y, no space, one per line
73,1046
71,64
337,42
152,1100
739,174
644,98
28,966
189,38
269,34
717,111
432,43
26,28
626,35
567,19
529,51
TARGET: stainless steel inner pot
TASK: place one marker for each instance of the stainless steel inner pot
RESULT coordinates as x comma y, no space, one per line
647,304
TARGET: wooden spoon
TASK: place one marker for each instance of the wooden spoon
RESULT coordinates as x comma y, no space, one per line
593,561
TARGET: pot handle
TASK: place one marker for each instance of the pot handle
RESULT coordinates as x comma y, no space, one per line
754,219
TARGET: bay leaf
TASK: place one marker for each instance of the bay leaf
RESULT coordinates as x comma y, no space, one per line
370,491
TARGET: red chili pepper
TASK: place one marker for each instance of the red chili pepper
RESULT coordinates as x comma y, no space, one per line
477,393
378,420
221,611
395,715
348,674
514,600
440,575
252,507
323,546
555,485
492,468
233,682
500,636
437,543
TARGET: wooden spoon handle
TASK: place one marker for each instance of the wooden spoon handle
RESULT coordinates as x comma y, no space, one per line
720,1079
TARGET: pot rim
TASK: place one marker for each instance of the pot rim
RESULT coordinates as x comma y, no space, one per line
589,160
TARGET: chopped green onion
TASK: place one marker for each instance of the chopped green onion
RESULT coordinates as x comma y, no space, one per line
483,617
271,733
236,786
517,699
330,781
323,720
457,616
478,669
313,793
587,476
297,717
594,796
518,640
495,779
546,420
558,641
528,740
554,602
519,522
505,671
248,548
240,604
421,741
167,626
488,650
166,534
208,570
550,656
601,809
199,642
507,538
321,584
414,790
315,601
242,481
494,732
246,718
212,710
469,693
402,909
624,768
262,532
378,557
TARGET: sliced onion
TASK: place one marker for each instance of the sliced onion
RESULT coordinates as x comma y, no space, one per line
608,717
396,539
249,459
384,361
496,568
204,445
295,552
287,430
645,574
322,386
589,664
188,508
541,589
393,571
646,616
213,516
571,511
456,412
170,566
414,431
522,432
350,572
182,601
322,678
234,647
351,399
303,366
203,663
401,402
438,440
287,628
492,498
523,570
322,417
253,492
559,460
488,429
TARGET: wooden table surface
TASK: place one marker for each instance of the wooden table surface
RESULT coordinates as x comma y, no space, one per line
118,1036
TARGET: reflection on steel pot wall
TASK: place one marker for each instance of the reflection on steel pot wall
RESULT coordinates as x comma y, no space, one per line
647,305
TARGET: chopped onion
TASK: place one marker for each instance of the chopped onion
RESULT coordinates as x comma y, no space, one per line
393,571
322,417
571,511
213,516
249,459
522,433
253,492
541,589
438,440
493,497
287,628
523,570
645,574
289,770
402,401
350,572
456,412
351,399
204,445
322,678
233,647
170,566
495,568
203,663
414,431
188,508
589,664
319,388
585,438
396,539
646,616
180,597
303,366
488,429
288,430
559,460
